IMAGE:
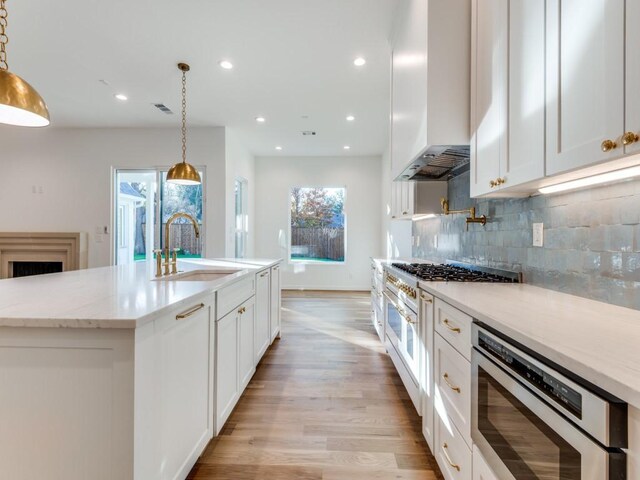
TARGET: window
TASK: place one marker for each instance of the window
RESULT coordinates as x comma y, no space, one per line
242,218
317,225
141,198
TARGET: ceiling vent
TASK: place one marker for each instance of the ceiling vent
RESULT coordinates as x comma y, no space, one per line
163,108
307,133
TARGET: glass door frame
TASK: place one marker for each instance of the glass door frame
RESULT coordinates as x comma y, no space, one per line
157,229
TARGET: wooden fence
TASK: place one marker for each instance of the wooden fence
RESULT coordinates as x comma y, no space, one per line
320,243
182,235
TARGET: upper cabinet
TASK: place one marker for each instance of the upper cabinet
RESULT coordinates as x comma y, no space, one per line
585,82
507,94
430,78
632,96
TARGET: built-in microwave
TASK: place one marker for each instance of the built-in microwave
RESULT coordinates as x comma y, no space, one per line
532,422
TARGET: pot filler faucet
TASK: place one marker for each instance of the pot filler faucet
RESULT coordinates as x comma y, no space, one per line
174,260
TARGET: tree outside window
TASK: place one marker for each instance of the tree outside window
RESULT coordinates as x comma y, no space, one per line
317,224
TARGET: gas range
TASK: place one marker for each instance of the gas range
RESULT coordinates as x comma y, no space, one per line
457,272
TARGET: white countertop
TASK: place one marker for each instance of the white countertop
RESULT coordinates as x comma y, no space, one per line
597,341
124,296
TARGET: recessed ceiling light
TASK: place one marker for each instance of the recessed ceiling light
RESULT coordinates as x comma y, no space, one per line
226,64
358,62
350,118
278,147
261,119
347,147
121,97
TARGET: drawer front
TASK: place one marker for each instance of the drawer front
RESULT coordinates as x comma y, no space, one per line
452,377
452,453
377,300
235,294
454,326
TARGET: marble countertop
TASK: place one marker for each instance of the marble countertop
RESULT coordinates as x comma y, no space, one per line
124,296
595,340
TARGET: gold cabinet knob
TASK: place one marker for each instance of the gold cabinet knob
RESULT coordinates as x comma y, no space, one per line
492,183
404,213
629,138
501,181
608,145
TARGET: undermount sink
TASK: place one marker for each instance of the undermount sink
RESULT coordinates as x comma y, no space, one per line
199,275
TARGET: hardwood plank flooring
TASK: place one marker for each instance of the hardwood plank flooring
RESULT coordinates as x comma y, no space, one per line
325,403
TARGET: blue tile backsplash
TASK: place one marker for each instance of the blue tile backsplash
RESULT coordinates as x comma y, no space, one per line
591,239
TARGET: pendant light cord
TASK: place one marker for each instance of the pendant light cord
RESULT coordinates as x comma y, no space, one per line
3,36
184,115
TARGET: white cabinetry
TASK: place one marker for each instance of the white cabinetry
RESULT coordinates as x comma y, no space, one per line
411,199
585,82
227,372
430,78
246,352
377,302
427,384
274,318
632,99
481,470
263,313
507,94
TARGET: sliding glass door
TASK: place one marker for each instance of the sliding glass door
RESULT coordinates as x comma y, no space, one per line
141,197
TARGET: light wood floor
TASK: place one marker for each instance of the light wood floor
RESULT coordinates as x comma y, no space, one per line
325,404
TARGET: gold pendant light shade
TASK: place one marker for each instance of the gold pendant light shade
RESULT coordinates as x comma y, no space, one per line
184,173
20,104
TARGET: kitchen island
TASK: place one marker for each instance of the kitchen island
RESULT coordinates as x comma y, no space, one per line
112,373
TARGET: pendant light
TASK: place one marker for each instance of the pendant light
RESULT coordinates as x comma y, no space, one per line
20,104
184,173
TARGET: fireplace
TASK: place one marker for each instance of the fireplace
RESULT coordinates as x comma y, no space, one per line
25,254
27,269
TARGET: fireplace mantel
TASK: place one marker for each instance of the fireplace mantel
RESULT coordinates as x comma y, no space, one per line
68,248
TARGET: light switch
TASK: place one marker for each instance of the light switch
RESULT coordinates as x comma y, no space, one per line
538,234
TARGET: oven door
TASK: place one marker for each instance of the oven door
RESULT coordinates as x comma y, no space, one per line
522,438
402,331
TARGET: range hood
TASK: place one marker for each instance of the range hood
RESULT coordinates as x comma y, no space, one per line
440,162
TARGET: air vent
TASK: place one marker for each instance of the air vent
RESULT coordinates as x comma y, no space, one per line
307,133
163,108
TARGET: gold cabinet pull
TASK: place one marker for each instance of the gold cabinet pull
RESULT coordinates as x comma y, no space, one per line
608,145
426,299
493,184
501,181
447,324
405,213
241,310
445,377
629,138
191,311
264,274
445,447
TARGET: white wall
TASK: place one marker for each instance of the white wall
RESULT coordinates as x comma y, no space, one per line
73,169
240,163
274,177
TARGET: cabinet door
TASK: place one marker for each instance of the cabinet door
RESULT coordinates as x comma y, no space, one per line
246,328
481,471
524,161
263,311
632,97
408,198
185,392
585,81
489,27
275,302
427,384
227,384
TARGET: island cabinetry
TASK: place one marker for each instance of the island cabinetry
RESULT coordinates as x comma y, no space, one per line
174,390
263,313
275,302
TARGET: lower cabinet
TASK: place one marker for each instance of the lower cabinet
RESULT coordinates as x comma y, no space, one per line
263,313
246,329
427,387
227,372
275,302
451,451
481,470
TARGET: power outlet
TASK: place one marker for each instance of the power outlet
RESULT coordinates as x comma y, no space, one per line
538,234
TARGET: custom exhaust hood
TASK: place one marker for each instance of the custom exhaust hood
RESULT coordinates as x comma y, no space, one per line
438,163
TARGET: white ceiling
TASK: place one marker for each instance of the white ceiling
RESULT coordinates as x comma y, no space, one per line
291,58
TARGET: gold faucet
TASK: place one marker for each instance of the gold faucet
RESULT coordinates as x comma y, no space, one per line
482,219
174,260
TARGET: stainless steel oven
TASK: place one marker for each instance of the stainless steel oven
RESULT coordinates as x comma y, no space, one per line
532,422
402,331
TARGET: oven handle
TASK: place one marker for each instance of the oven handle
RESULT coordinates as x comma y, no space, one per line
399,309
595,459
